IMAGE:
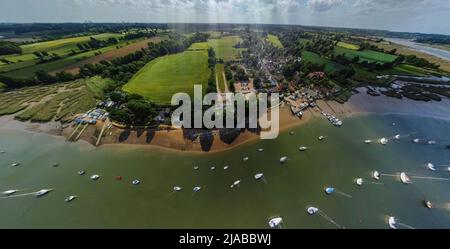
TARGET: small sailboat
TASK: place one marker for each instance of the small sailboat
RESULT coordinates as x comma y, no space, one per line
136,182
213,168
259,176
283,159
392,222
177,189
303,148
196,189
431,167
245,159
15,164
226,167
70,198
95,177
275,222
368,141
10,192
428,204
376,175
329,190
359,181
404,178
397,137
81,172
260,150
42,192
312,210
384,141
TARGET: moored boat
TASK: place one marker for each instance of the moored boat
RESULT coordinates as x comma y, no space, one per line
431,167
95,177
312,210
42,192
196,189
10,192
177,189
283,159
392,222
259,176
275,222
70,198
404,178
329,190
359,181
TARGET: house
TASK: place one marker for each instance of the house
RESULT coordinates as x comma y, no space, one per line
316,75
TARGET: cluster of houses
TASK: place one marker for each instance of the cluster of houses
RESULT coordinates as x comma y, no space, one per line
92,117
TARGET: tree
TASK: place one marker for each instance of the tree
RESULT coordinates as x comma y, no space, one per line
140,110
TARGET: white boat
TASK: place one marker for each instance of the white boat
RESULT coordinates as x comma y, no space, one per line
236,183
312,210
70,198
226,167
416,140
10,192
384,141
321,138
245,159
2,152
55,165
260,150
303,148
95,177
136,182
367,141
394,124
431,142
213,168
431,167
196,189
392,222
376,175
81,172
283,159
177,189
428,204
275,222
329,190
448,169
196,168
259,176
42,192
397,136
15,164
404,178
359,181
338,123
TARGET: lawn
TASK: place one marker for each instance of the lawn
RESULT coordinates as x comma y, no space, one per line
220,77
224,47
348,46
274,41
330,66
165,76
366,55
199,46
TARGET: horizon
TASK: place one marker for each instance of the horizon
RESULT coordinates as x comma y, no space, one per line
412,16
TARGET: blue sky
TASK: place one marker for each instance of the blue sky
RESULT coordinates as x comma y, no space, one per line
427,16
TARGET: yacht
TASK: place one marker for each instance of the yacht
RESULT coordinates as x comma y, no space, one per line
42,192
397,136
81,172
329,190
95,177
376,175
177,189
367,141
384,141
283,159
260,150
245,159
428,204
213,168
136,182
226,167
15,164
196,168
70,198
303,148
236,183
275,222
404,178
196,189
359,181
431,167
416,140
259,176
392,222
312,210
9,192
321,138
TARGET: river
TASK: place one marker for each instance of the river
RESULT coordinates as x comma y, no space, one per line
443,54
286,189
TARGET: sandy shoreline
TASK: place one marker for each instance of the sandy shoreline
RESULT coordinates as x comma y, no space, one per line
174,140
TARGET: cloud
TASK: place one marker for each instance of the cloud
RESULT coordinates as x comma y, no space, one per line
323,5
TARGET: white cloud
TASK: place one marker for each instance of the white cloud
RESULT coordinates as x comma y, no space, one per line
323,5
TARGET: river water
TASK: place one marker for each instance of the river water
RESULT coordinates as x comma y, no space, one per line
286,190
443,54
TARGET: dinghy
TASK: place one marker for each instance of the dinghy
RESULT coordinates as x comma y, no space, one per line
95,177
283,159
136,182
177,189
70,198
384,141
392,222
367,141
303,148
42,192
359,181
428,204
81,172
431,167
312,210
275,222
9,192
329,190
196,189
376,175
15,164
404,178
259,176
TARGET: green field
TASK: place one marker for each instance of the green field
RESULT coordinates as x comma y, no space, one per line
171,74
366,55
220,78
224,47
330,66
274,41
348,46
199,46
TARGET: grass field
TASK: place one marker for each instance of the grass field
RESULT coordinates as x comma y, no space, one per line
274,41
220,78
224,47
171,74
366,55
348,46
330,66
199,46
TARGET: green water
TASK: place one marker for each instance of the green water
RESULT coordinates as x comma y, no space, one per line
286,191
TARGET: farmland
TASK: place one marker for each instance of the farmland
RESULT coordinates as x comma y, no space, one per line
330,66
220,78
366,55
199,46
274,41
171,74
348,46
224,47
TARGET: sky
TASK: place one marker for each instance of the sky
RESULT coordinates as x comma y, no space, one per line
425,16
